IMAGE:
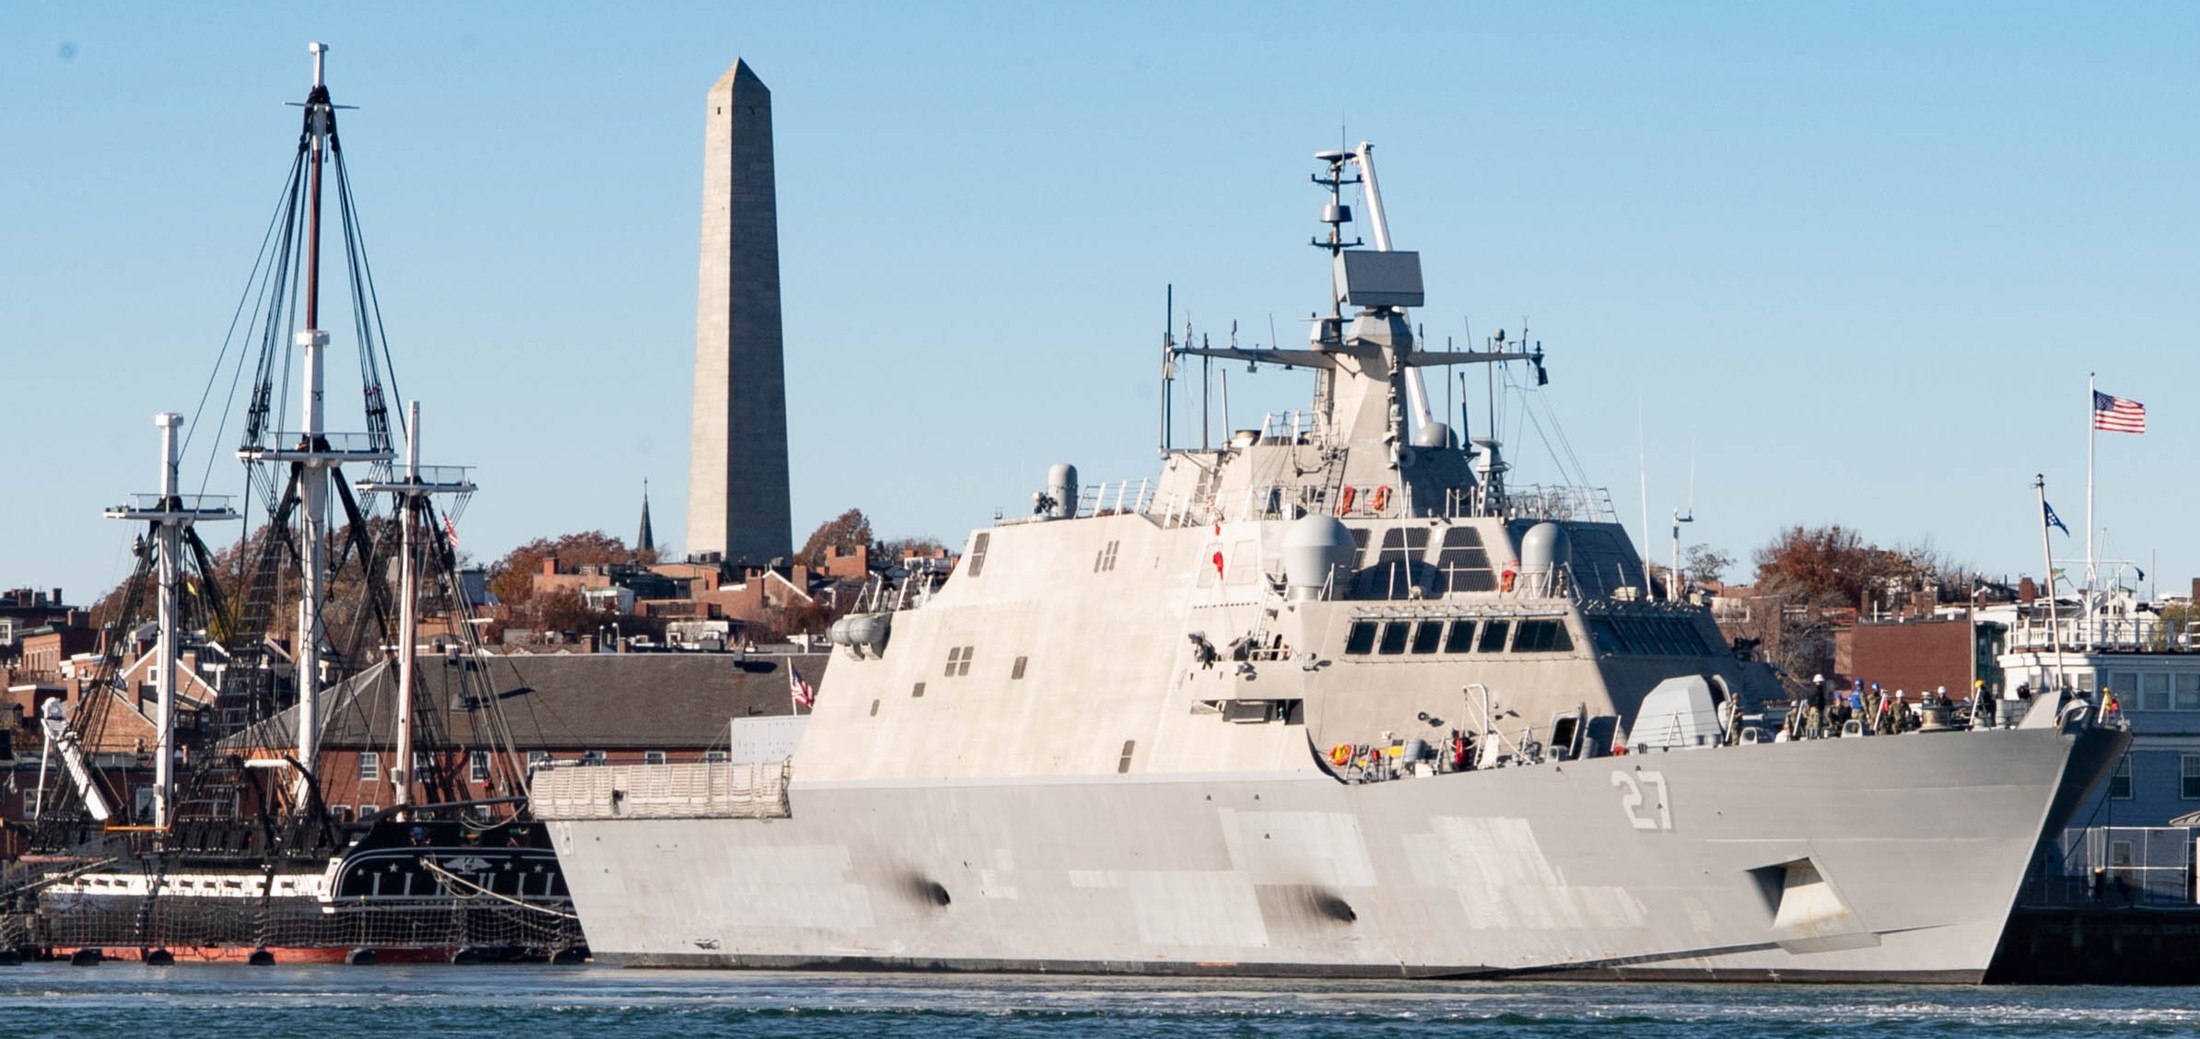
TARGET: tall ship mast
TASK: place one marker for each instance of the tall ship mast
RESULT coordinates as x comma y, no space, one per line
244,849
1333,696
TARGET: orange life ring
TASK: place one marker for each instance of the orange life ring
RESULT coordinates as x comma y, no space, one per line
1381,499
1340,755
1344,501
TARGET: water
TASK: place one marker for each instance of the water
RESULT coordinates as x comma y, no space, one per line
236,1002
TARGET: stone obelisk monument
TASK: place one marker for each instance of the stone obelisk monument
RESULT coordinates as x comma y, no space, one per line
737,451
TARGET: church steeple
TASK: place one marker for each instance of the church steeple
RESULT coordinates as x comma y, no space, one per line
646,541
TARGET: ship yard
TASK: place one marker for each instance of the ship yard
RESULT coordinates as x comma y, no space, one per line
1365,679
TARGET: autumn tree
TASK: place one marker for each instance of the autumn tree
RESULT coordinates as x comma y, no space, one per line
1704,565
846,532
564,609
513,577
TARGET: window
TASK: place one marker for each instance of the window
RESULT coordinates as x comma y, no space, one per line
1461,638
1542,636
592,757
1123,764
1359,640
1462,564
2125,684
1394,637
2119,781
536,759
2189,776
1493,636
1016,673
1604,636
2188,691
477,766
341,812
1394,572
423,764
2085,681
1427,635
367,810
2154,692
653,757
370,766
977,553
1104,560
958,660
718,757
916,692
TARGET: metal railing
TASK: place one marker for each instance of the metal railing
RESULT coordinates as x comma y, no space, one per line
177,503
2141,633
2117,865
292,442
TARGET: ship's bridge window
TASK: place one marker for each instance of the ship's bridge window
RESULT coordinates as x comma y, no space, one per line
1461,638
1359,640
1542,636
1427,635
1396,568
1104,560
958,660
1493,636
1604,636
1462,565
977,552
1394,637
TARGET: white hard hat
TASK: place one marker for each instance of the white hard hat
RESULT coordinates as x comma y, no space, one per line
1817,678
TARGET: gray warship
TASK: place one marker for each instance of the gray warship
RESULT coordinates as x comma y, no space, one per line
1328,699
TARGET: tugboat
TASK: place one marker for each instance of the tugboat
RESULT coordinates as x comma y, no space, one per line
231,849
1331,698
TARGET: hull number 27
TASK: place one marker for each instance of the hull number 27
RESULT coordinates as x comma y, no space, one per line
1653,811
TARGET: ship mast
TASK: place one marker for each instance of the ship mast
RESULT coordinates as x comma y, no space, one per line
171,515
314,474
412,490
312,450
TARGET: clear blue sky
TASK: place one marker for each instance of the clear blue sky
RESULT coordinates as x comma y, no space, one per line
1861,257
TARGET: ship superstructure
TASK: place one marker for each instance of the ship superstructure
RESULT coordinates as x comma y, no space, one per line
1329,698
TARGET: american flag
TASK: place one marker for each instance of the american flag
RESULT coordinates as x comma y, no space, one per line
450,529
2118,414
804,696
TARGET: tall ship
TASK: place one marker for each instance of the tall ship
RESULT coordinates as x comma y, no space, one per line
1329,698
189,805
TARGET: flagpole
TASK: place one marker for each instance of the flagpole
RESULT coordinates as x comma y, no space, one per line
2090,434
2047,554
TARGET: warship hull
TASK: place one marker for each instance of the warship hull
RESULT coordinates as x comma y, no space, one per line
1890,858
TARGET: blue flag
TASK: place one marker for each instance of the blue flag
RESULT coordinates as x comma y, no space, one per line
2052,519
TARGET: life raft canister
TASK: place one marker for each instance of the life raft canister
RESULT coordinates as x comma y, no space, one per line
1344,501
1381,499
1505,581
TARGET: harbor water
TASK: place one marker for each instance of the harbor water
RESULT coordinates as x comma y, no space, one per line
54,999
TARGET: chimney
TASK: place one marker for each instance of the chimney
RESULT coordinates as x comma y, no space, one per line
2027,592
550,565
